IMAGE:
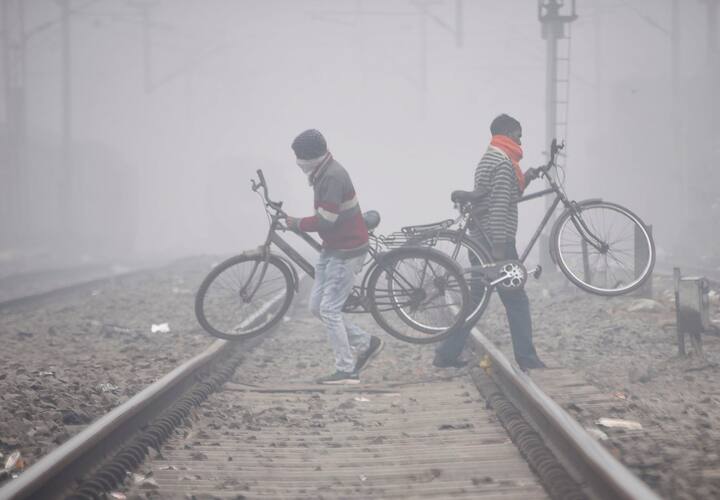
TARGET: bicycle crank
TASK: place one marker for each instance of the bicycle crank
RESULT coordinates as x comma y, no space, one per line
512,275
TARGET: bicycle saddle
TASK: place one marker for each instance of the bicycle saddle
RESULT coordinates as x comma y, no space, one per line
468,196
372,219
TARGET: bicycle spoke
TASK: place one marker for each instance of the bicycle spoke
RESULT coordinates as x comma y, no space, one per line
419,299
243,297
611,267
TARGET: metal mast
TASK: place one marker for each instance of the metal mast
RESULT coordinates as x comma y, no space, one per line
67,187
553,20
713,57
13,43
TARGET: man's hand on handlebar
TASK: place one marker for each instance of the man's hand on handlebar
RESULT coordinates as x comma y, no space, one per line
532,173
292,223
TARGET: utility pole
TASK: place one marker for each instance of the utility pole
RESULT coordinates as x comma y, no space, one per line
553,22
713,59
147,46
424,14
67,177
711,199
144,7
678,136
13,190
713,8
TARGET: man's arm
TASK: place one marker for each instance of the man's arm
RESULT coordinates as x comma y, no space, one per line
501,186
328,210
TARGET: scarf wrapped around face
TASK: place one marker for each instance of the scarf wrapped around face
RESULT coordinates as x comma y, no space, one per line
312,167
514,151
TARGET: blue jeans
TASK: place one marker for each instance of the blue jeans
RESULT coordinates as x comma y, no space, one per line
334,279
517,307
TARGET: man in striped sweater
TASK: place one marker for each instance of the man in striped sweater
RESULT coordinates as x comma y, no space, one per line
340,224
494,224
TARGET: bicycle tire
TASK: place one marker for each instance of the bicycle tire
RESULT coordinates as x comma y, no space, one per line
215,314
444,278
626,280
481,298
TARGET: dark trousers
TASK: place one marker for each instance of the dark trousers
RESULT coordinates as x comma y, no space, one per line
517,307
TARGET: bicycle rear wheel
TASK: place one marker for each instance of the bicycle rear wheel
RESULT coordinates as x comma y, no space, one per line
466,252
603,248
242,297
418,295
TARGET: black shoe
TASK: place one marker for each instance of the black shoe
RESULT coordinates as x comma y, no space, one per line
531,364
340,378
376,345
444,363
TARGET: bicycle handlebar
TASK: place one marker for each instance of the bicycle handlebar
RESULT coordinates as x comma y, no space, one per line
277,205
555,148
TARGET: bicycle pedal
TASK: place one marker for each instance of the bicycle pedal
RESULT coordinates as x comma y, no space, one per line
537,272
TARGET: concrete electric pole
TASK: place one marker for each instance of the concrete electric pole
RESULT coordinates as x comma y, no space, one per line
713,60
12,186
554,20
426,17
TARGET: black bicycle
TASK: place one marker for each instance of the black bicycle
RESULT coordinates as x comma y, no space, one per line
601,247
416,294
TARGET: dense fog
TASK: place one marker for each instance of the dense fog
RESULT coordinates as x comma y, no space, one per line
144,120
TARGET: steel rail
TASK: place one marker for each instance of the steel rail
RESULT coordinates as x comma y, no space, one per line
35,299
58,471
601,474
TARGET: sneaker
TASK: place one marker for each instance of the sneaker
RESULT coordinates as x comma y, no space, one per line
444,363
376,345
340,378
531,364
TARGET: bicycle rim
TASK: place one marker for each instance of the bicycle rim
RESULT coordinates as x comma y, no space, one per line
605,249
238,300
468,254
418,295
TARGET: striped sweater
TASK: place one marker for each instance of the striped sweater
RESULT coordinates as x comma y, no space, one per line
338,219
496,215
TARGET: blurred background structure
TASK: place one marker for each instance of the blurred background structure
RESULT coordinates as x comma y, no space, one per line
130,128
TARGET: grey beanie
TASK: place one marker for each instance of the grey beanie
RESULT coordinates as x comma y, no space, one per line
309,144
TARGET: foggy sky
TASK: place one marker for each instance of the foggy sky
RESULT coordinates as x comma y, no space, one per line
232,82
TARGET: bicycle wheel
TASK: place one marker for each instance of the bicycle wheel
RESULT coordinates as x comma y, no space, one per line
418,295
603,248
242,298
467,252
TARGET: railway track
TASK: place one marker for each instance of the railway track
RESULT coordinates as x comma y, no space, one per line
45,286
245,421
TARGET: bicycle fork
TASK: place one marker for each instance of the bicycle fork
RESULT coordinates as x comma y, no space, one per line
586,234
247,297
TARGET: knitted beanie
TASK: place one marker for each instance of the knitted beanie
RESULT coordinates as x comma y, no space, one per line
309,145
504,124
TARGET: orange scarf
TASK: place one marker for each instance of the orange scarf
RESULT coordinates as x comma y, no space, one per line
513,150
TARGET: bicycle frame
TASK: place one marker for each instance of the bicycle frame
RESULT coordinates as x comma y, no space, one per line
294,255
548,214
560,197
274,210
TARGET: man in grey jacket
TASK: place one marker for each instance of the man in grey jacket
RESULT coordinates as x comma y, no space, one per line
339,222
495,221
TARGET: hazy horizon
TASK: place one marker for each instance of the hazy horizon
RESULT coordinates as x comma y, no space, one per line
170,119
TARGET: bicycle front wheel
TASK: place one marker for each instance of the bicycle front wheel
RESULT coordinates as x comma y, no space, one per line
243,297
603,248
418,295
